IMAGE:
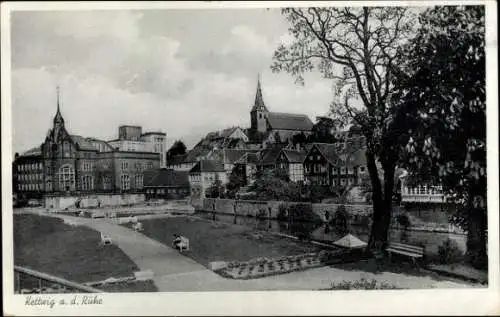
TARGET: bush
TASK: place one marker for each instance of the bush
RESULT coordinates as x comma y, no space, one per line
340,219
403,220
282,213
361,284
449,252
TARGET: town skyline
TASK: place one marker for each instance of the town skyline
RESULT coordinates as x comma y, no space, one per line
211,82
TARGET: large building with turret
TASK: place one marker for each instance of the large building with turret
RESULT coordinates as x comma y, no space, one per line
71,164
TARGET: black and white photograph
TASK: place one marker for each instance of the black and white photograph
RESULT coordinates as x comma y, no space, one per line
221,148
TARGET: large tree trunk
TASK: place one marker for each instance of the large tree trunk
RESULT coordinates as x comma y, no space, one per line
382,213
477,223
376,241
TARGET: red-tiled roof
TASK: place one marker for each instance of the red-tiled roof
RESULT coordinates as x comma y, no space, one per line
289,121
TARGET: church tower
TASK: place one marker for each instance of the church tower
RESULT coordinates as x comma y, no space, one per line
58,119
259,112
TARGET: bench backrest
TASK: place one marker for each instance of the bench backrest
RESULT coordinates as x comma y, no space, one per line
407,247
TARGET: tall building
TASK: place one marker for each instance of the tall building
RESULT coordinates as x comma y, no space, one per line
131,139
72,164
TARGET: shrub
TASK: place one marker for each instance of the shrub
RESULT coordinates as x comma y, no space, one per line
449,252
363,284
340,219
282,213
403,220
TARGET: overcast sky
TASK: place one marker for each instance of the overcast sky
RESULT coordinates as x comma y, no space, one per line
184,72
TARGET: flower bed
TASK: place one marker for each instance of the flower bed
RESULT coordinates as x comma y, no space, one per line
261,267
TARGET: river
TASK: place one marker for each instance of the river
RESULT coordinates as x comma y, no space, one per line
431,240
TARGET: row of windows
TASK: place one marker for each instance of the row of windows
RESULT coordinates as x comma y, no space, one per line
343,181
322,168
163,191
29,167
125,181
30,177
138,166
30,187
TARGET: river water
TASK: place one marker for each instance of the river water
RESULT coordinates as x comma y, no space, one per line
322,232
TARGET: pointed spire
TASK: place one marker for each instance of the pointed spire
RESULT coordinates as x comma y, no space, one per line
58,117
259,101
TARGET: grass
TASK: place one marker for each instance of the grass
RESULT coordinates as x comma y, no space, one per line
210,241
48,245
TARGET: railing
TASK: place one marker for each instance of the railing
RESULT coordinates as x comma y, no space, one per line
432,194
30,281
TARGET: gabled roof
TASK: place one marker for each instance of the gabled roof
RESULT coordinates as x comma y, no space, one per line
289,121
329,151
198,151
83,144
207,166
33,152
166,178
230,155
248,158
268,156
294,156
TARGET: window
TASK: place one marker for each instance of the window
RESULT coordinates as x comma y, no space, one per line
124,166
125,182
150,165
334,171
342,170
87,182
362,169
66,177
138,181
342,181
138,166
87,166
350,170
106,182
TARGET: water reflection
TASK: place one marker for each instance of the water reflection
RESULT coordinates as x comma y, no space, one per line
332,232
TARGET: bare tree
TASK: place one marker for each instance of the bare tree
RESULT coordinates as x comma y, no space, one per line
357,49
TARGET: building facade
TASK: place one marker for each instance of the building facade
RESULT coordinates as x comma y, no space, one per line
74,165
205,174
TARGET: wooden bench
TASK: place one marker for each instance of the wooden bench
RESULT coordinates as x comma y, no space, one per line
183,244
412,251
105,240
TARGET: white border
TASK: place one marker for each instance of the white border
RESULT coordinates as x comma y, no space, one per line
407,302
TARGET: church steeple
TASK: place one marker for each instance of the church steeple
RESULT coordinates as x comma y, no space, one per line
259,104
58,117
258,114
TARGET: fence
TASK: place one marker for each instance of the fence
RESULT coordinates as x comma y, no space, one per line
31,281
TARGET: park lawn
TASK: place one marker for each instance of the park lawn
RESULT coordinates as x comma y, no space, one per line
215,241
48,245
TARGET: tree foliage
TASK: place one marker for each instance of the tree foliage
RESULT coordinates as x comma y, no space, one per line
357,48
272,185
237,180
216,190
443,91
178,148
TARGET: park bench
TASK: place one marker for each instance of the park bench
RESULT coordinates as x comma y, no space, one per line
137,226
105,240
183,244
412,251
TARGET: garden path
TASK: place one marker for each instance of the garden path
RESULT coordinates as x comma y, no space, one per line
176,272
